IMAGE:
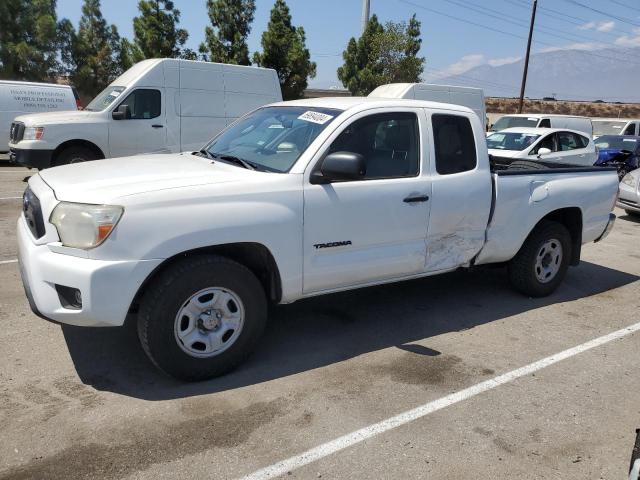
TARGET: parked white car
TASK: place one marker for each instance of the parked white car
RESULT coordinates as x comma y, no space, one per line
615,126
157,106
294,200
629,195
19,98
539,120
547,145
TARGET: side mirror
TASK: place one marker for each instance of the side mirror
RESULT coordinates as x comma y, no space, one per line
123,112
543,151
339,166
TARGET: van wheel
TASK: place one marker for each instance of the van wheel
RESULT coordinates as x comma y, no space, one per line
201,317
542,262
75,154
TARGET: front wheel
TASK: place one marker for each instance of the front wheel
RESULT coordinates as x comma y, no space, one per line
74,154
542,262
201,317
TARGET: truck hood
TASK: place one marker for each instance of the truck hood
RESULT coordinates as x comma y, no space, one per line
49,118
104,181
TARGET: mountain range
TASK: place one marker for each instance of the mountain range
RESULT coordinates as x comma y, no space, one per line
607,74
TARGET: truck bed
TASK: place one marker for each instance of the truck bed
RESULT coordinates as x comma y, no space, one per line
521,198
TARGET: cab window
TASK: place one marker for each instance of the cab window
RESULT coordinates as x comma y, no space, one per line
454,144
144,103
388,142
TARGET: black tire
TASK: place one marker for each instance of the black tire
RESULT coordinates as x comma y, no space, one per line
522,268
632,213
166,295
525,165
74,154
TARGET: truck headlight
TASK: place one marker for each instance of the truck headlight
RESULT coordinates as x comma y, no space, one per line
33,133
82,225
629,179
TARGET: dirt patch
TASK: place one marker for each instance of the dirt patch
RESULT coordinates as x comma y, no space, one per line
150,443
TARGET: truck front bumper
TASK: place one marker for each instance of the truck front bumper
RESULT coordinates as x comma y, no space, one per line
39,159
106,288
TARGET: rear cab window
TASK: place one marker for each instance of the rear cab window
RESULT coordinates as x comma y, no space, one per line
454,144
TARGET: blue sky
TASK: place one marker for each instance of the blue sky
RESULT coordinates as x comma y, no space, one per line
451,41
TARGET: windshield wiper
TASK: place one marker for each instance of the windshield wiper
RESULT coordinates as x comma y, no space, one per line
238,161
204,152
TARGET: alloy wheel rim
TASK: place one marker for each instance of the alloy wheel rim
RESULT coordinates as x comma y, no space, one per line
548,260
209,322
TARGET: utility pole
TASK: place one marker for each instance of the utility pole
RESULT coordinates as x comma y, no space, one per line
526,58
365,14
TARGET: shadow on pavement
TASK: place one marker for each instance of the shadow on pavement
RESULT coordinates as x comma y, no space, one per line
630,218
318,332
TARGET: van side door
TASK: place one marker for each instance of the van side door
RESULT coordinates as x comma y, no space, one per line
461,190
144,130
371,229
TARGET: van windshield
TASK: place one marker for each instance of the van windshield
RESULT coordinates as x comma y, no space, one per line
104,99
509,122
272,138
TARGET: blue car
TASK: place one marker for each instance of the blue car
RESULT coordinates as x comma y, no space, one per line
620,151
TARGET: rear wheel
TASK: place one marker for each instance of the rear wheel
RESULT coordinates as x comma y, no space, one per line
201,317
74,154
542,262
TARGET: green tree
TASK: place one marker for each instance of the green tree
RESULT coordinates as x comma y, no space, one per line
226,40
382,55
155,30
28,39
93,53
284,50
358,73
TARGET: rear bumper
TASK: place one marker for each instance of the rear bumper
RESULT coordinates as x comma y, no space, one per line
608,228
39,159
107,287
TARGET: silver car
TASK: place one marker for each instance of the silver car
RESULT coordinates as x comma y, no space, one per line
629,196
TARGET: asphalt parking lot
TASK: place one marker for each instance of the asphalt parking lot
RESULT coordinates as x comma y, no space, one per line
86,403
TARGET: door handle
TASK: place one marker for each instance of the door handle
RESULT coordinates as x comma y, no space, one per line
419,198
157,126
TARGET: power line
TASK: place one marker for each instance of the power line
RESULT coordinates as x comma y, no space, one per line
486,27
485,11
620,19
624,5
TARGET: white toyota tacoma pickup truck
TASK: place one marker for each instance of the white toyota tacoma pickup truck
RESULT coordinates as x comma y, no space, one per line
293,200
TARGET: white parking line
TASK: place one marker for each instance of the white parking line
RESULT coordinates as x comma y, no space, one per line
10,198
2,262
365,433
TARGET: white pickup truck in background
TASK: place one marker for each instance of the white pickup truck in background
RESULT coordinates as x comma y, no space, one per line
293,200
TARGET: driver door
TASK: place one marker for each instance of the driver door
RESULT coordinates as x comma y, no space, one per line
374,228
145,131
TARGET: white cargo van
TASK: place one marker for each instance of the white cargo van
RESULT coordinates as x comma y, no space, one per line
539,120
18,98
472,98
158,105
615,126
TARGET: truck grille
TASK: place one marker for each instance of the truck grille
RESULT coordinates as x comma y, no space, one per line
17,132
33,213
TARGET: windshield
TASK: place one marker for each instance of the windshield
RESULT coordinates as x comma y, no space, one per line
104,99
616,142
272,138
508,122
608,127
511,140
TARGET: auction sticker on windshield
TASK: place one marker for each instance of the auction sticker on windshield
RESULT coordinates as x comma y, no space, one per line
315,117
